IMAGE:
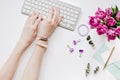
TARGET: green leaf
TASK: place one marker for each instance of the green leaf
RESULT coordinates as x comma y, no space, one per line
119,37
118,24
115,10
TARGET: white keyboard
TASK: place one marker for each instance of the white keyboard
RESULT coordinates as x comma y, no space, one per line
71,13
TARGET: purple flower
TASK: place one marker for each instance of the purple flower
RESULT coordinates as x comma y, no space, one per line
94,22
100,14
118,31
108,12
71,50
81,51
118,16
102,29
74,42
111,34
111,21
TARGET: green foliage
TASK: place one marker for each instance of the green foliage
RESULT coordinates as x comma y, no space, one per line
119,37
118,23
115,10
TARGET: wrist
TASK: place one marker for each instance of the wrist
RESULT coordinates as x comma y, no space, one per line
23,44
42,37
20,48
41,43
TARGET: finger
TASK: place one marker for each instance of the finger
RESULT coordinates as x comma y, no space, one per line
57,15
54,15
31,16
34,17
28,19
50,15
59,20
58,12
37,22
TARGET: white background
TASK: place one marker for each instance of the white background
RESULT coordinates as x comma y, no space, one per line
58,63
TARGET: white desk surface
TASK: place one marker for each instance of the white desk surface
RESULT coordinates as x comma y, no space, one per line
58,63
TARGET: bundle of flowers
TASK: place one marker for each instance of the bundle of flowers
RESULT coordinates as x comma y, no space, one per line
106,22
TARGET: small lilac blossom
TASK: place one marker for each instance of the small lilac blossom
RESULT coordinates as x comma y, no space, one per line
74,42
71,50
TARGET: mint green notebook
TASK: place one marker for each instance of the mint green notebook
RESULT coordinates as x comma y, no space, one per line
114,68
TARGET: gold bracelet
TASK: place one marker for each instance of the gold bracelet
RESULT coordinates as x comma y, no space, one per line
42,43
43,38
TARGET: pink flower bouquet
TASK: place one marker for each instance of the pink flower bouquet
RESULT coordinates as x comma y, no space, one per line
106,22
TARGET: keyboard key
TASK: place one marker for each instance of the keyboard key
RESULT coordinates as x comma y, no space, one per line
69,12
27,7
27,3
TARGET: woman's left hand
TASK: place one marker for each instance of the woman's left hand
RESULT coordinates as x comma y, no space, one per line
30,29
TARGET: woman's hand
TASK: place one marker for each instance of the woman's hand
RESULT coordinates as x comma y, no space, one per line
30,29
49,24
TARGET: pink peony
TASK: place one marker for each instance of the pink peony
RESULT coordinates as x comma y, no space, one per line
108,12
111,34
118,31
100,14
102,29
94,22
111,21
118,16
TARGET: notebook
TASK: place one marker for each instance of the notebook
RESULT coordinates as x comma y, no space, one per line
114,65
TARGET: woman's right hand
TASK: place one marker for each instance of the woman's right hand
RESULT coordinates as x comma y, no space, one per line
49,24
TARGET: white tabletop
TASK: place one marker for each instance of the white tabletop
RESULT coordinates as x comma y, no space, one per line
58,63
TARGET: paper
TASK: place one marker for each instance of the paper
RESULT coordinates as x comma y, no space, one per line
114,65
114,58
114,69
98,53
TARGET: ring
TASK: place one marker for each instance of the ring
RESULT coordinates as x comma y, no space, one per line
85,33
